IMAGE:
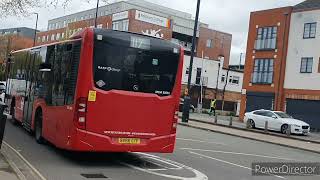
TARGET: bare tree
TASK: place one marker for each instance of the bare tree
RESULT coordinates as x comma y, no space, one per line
23,7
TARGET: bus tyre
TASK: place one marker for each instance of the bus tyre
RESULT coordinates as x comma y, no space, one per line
38,128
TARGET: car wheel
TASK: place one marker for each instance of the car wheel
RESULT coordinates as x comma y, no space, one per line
284,128
251,124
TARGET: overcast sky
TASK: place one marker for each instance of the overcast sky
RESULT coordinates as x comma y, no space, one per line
231,16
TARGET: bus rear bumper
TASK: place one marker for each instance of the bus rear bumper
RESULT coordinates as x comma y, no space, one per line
92,142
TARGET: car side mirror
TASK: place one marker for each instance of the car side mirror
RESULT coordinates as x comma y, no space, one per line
45,67
274,117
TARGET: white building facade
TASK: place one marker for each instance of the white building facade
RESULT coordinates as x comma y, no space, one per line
208,75
302,75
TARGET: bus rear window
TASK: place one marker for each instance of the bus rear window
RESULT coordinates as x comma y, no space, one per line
120,66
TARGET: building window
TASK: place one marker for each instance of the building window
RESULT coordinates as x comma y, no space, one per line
121,25
52,37
209,43
309,30
62,36
263,71
223,78
58,36
306,65
125,25
266,38
115,25
100,26
234,80
43,38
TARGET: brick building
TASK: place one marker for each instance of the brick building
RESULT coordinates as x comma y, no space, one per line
282,64
147,18
13,39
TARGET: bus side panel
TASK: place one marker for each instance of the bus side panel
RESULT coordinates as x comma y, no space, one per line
62,117
19,108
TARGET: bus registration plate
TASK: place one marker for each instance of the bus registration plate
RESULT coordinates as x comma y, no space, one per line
129,141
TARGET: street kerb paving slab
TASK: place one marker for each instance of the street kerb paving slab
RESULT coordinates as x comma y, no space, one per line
6,171
303,145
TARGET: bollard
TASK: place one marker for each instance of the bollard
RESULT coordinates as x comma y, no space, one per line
288,132
266,127
3,119
216,119
230,121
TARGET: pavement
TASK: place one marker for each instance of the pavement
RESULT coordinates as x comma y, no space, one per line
299,142
199,155
6,171
224,121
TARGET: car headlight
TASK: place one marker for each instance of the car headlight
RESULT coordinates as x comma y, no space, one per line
294,125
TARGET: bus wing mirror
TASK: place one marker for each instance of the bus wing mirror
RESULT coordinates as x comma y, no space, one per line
45,67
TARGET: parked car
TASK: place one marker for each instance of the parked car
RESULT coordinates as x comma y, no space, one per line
277,121
192,108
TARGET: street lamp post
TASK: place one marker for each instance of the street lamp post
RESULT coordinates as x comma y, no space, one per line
240,61
35,31
187,99
96,19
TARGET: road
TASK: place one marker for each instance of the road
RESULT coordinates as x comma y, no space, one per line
199,155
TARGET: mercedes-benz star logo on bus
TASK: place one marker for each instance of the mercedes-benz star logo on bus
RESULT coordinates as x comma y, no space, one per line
136,87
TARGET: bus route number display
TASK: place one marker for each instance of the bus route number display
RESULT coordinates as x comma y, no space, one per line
140,43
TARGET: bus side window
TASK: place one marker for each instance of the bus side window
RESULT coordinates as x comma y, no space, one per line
58,71
48,77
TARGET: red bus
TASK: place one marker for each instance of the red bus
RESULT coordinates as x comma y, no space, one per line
100,91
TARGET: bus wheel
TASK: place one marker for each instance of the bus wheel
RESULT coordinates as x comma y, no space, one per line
38,127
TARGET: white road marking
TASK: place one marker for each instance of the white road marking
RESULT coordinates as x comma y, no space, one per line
194,140
238,153
198,175
26,161
227,162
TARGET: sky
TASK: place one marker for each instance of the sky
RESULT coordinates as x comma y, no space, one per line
231,16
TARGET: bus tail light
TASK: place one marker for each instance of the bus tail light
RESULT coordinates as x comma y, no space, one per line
175,121
81,109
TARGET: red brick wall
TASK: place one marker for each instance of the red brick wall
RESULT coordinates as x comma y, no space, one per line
273,17
221,45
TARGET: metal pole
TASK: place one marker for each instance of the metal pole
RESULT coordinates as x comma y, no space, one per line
35,31
224,88
217,85
240,61
187,99
95,20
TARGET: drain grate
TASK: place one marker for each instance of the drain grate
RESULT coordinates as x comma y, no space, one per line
94,176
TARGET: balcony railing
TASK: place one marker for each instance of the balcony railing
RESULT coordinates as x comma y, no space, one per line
266,44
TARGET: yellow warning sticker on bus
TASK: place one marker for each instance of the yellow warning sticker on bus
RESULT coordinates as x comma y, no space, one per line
92,96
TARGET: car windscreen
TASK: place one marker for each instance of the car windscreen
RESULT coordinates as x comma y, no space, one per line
283,115
130,63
